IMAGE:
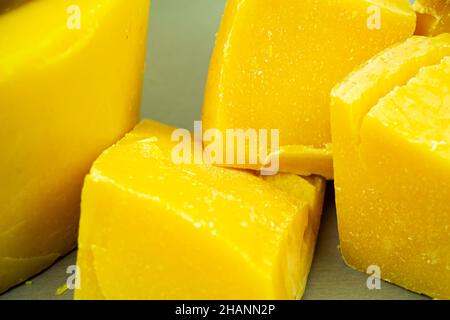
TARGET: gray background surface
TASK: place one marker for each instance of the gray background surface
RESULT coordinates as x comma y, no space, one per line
181,39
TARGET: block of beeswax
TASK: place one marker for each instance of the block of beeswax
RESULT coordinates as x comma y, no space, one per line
70,83
275,63
433,17
153,229
391,142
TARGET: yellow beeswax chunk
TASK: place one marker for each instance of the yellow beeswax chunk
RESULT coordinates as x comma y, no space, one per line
275,63
433,17
391,144
153,229
70,83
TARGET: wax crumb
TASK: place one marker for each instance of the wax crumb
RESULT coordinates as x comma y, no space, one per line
29,283
61,290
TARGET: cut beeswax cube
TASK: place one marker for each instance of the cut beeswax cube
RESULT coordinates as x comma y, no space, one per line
275,63
153,229
433,17
70,80
390,124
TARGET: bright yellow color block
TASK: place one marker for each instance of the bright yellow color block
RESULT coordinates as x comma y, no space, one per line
152,229
275,63
65,94
433,17
390,125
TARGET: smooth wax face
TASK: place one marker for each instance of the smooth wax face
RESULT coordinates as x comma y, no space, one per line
275,63
391,138
153,229
70,83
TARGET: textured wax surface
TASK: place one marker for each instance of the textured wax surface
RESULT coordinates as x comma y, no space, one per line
433,16
377,77
420,110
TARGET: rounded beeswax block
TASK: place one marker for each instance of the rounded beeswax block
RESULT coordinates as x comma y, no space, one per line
70,83
391,143
275,63
153,229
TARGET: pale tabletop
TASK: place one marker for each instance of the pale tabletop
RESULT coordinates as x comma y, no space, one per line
181,39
